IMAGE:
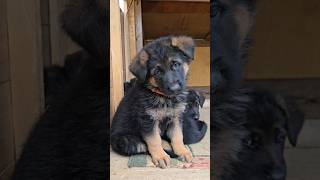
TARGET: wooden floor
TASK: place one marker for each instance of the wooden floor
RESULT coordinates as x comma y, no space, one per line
303,162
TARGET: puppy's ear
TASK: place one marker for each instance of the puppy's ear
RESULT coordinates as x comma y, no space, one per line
198,96
139,65
294,117
201,98
185,44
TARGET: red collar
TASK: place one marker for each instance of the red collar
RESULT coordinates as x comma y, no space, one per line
155,90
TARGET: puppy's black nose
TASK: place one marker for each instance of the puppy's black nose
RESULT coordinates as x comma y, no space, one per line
278,175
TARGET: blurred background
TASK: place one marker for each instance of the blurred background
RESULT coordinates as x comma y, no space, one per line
285,56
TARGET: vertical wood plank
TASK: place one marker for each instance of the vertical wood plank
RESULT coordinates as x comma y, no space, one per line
4,58
7,154
116,56
138,21
24,26
6,129
126,34
132,30
135,31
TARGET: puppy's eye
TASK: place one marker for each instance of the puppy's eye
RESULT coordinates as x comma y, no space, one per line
156,71
175,65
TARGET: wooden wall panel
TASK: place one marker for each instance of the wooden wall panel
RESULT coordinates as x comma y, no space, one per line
286,40
116,60
133,33
4,58
199,74
24,27
6,128
6,124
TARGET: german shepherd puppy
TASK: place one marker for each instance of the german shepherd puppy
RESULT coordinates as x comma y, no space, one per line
250,128
155,105
193,129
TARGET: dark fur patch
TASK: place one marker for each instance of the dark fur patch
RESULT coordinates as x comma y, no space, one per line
249,128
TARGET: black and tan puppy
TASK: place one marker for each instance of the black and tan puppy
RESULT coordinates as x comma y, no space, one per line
250,127
155,105
193,129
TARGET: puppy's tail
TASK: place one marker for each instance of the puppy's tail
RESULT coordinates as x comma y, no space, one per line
128,145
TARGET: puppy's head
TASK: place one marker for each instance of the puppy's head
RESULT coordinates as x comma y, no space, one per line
87,23
231,22
270,118
164,63
194,100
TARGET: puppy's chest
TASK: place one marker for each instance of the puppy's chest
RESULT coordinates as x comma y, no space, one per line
162,113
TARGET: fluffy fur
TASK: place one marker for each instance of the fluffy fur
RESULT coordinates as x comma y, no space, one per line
193,129
57,77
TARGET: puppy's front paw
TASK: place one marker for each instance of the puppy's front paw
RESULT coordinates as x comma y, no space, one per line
185,155
161,159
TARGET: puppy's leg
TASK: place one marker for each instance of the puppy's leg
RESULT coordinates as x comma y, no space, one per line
176,137
159,157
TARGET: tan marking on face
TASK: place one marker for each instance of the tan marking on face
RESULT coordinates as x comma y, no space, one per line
159,156
243,21
186,68
143,57
153,82
176,136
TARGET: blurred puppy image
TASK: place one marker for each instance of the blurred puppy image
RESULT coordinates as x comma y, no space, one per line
250,127
250,124
231,23
70,139
154,106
